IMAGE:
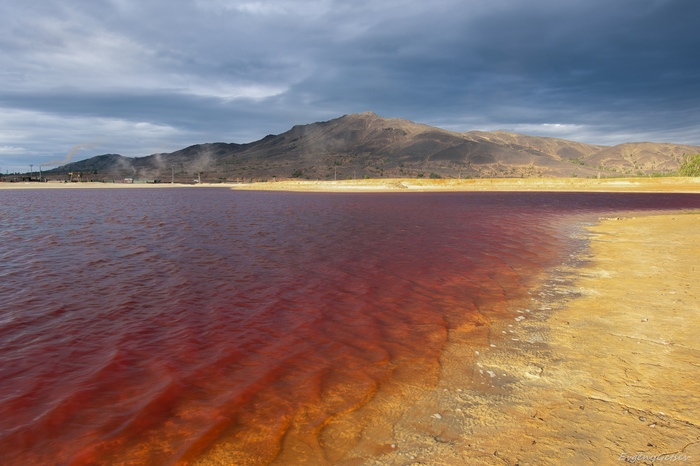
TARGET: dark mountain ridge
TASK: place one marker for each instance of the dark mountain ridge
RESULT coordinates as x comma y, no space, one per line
369,146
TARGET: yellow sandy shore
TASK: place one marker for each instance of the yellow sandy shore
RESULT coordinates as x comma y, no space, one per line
613,376
670,184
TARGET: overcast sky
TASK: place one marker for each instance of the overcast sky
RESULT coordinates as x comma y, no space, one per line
137,77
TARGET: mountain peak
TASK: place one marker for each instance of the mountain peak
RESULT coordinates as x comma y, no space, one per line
368,145
361,115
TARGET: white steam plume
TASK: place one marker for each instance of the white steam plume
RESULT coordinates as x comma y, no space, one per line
74,150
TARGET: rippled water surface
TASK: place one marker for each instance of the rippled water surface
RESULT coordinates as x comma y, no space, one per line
142,326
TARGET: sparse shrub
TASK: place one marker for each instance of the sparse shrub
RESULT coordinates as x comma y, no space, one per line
297,173
690,166
434,175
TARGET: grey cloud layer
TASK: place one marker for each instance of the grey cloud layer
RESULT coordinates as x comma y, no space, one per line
142,77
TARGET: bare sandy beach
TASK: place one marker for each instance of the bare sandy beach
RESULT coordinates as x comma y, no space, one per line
670,184
639,184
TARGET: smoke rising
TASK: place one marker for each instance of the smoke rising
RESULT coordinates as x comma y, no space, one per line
74,150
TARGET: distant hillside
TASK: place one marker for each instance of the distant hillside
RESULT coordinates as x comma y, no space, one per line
369,146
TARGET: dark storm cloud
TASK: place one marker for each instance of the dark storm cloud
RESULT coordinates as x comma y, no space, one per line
538,61
141,77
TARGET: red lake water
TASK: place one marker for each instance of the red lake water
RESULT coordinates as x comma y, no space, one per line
144,326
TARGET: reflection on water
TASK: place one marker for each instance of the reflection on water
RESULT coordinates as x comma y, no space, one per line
142,326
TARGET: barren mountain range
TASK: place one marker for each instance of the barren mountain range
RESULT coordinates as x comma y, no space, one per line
366,145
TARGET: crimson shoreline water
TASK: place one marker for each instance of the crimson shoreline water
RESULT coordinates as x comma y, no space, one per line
144,325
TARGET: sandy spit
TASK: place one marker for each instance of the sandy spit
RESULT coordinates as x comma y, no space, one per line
667,184
670,184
